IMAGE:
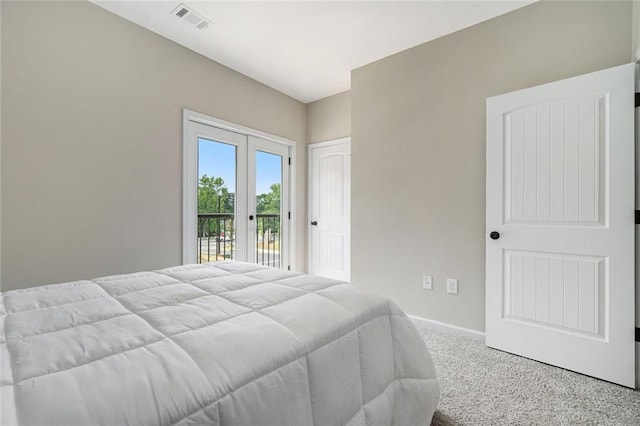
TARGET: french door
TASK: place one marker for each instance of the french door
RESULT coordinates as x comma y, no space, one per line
236,197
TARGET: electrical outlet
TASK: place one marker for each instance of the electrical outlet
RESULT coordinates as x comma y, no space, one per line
452,286
427,282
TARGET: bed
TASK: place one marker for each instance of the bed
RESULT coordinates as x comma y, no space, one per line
224,343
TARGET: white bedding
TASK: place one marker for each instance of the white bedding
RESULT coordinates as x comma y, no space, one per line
224,343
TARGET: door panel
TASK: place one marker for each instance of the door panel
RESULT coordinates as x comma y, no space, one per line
223,216
269,203
330,187
554,154
555,290
205,237
560,173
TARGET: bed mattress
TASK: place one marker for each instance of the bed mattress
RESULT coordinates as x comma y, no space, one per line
224,343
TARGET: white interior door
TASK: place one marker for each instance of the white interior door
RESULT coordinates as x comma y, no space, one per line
560,194
330,209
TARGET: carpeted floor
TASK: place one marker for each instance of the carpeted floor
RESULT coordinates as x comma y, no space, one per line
482,386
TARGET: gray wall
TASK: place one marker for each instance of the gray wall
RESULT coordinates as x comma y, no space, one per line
0,147
329,118
92,141
418,145
635,52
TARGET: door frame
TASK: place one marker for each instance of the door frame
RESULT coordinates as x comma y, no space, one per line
190,168
341,141
636,136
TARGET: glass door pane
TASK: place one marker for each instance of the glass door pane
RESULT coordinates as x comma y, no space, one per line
268,227
216,201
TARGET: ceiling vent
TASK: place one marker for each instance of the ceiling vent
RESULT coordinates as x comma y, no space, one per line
191,17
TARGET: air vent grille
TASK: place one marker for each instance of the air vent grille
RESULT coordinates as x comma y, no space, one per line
191,16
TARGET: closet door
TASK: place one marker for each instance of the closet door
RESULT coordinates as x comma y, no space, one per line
330,209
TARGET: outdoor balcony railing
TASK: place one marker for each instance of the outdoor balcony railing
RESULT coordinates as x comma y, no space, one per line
268,239
217,239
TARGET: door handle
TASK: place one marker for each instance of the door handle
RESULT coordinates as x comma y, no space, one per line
250,217
494,235
314,223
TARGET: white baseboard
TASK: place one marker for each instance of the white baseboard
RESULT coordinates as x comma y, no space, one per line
448,328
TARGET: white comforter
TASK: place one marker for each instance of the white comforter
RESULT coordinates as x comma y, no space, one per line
224,344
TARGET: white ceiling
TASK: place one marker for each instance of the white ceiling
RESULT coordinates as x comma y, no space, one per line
307,49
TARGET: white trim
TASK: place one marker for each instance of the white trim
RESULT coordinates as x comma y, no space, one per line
293,252
188,165
329,143
448,328
234,127
309,203
637,205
